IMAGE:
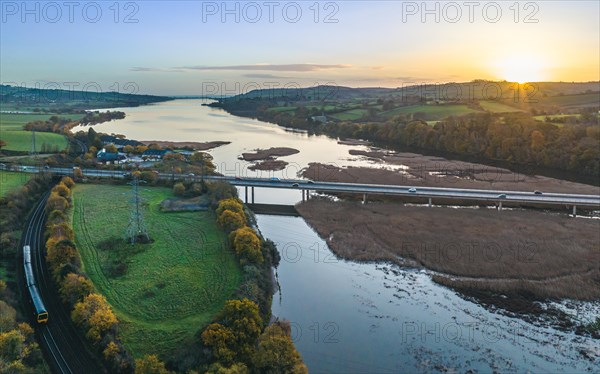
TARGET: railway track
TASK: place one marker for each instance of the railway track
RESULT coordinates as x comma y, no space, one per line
62,344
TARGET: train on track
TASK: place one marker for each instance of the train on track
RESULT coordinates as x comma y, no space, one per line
41,314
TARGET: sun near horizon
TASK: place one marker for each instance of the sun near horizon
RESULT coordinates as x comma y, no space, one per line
521,70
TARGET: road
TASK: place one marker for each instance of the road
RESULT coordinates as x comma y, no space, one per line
61,342
524,197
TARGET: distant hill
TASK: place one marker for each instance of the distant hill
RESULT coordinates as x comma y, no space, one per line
14,98
530,93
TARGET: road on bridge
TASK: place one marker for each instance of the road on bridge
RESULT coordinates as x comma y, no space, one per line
526,197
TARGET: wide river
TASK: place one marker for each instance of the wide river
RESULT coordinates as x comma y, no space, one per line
362,318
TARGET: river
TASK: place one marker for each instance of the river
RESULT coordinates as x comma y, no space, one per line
351,317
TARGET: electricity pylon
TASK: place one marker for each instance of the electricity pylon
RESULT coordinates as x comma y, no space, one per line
136,230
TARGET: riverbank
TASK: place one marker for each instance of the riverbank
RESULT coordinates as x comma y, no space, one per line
197,146
508,252
413,169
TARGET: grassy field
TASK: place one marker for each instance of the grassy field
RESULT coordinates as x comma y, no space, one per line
433,112
10,180
21,140
16,121
171,287
496,107
281,109
350,115
571,101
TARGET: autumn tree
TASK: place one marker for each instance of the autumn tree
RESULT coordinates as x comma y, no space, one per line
236,368
75,287
55,217
179,189
221,340
94,315
231,221
61,252
247,245
150,364
56,202
234,335
68,182
276,352
233,204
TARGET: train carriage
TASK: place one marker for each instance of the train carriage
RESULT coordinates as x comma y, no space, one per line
41,314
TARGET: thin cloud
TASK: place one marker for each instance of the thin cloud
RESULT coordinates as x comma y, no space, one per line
264,76
270,67
155,70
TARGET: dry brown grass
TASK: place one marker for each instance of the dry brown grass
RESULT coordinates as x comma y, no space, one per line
439,172
549,255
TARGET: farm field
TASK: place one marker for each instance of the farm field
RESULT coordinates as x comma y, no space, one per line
16,121
432,112
572,101
21,141
10,180
171,287
496,107
350,115
280,109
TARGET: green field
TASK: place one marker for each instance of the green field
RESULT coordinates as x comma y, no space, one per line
173,286
21,140
570,101
10,180
496,107
16,121
281,109
350,115
432,112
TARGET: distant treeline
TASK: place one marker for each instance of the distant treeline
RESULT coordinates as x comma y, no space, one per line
513,137
62,125
68,100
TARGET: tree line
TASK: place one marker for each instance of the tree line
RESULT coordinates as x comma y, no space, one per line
485,137
239,339
89,310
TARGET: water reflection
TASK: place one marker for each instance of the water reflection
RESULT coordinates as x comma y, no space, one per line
189,121
365,318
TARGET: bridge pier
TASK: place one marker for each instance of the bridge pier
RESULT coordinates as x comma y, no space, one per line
246,194
252,194
500,206
364,201
302,194
429,202
574,210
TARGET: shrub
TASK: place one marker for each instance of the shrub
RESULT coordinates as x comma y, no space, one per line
247,245
231,221
179,189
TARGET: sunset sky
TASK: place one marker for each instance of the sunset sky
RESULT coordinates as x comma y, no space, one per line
181,47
